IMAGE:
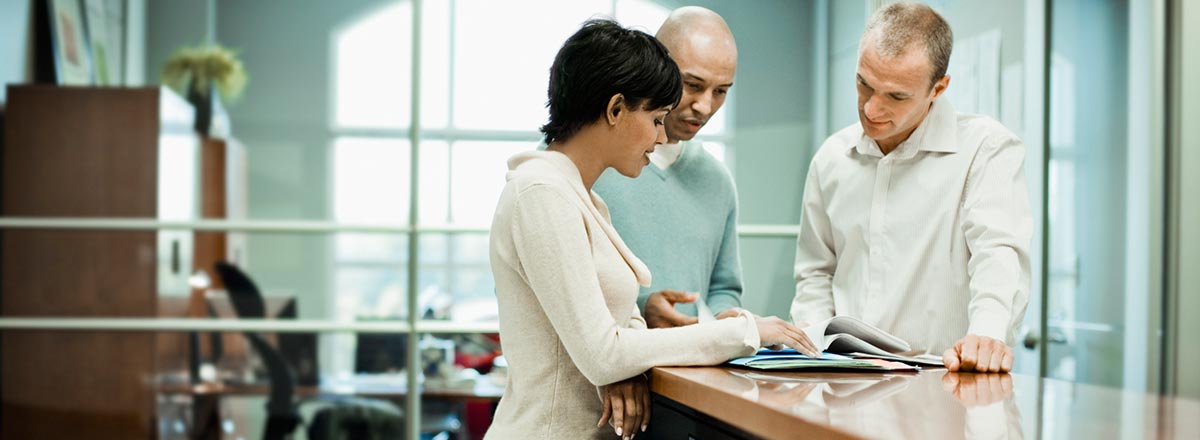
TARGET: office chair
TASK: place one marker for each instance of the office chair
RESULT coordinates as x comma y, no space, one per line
282,416
351,418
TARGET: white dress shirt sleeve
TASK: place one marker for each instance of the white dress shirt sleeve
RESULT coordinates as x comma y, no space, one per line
998,227
815,259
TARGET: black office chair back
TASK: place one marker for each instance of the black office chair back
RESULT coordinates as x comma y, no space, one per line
248,303
247,300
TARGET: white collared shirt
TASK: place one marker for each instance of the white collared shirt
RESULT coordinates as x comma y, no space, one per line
929,243
665,155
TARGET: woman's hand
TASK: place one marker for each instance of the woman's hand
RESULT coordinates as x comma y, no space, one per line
775,331
626,405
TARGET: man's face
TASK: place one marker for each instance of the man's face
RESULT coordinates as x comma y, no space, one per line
707,70
894,94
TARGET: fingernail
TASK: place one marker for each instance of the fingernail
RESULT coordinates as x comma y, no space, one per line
643,428
619,431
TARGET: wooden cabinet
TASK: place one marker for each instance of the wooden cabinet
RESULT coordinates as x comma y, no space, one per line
90,152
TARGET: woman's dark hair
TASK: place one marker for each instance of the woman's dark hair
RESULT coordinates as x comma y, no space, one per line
603,59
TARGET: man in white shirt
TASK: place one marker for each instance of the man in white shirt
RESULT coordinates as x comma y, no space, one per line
917,218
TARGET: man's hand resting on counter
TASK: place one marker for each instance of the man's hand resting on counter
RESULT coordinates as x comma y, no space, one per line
979,353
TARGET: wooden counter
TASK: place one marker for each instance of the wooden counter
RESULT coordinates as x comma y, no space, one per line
718,402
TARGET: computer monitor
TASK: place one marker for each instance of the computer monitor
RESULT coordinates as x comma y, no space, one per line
380,353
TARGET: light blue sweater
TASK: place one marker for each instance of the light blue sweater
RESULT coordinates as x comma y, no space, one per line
681,222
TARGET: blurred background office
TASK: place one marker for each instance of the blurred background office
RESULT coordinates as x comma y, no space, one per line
359,168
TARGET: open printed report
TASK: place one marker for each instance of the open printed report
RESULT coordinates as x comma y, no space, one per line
847,343
852,337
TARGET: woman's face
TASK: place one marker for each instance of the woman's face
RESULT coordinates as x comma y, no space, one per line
636,133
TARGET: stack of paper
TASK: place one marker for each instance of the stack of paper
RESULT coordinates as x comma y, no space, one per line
793,360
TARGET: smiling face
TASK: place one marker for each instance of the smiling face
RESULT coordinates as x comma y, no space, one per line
894,93
635,134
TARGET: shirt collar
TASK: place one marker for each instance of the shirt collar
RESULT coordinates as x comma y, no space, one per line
938,133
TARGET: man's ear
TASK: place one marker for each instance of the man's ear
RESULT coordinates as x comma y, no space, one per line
616,105
940,86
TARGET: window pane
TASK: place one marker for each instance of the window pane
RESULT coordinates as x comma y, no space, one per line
502,55
643,15
371,248
372,71
477,177
435,64
371,292
435,183
464,289
718,124
471,248
717,150
371,180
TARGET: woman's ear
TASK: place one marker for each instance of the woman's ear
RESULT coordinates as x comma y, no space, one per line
616,105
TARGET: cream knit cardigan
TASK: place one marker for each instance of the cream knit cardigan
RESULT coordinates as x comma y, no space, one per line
566,286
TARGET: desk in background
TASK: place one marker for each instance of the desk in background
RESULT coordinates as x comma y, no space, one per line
719,403
224,410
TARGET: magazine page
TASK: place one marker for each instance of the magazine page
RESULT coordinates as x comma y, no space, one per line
847,334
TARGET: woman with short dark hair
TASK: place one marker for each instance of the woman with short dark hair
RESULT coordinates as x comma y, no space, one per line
565,282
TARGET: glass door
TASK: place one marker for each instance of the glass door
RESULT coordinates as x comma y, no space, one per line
1104,189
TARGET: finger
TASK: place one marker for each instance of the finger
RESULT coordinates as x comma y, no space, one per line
639,394
618,413
968,353
678,319
607,412
1007,363
800,324
980,389
815,352
645,407
950,382
633,412
995,365
995,390
950,360
730,313
674,296
793,333
1006,385
800,342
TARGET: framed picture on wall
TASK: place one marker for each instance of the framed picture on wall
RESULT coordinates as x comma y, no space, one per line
116,10
105,30
72,58
97,36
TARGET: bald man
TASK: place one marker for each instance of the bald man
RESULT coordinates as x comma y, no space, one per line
680,215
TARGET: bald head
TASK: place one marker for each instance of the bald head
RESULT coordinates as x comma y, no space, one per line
694,27
702,45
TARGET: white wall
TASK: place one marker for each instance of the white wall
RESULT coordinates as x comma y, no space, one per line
16,44
773,123
1188,198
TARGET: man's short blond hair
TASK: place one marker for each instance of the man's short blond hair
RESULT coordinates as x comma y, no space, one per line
899,27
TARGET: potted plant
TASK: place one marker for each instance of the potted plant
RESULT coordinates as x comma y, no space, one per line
197,71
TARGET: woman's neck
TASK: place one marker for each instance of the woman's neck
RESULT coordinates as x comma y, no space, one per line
584,150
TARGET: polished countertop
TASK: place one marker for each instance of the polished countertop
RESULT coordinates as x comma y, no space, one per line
930,404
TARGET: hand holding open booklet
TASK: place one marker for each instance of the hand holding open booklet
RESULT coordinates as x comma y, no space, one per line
848,343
